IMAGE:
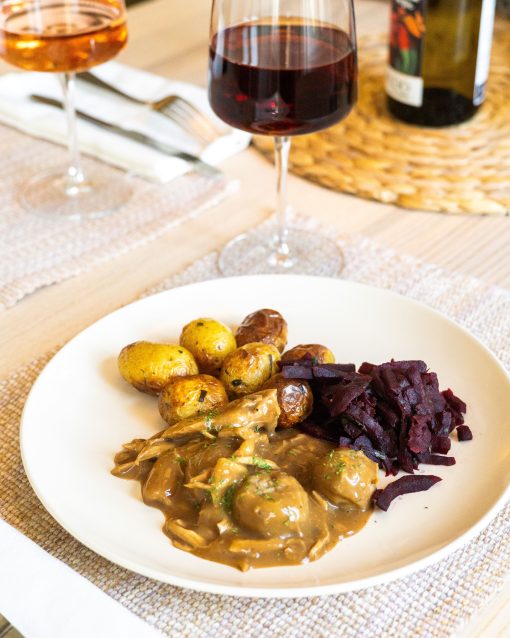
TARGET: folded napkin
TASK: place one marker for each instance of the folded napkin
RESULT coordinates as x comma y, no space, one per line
16,109
62,603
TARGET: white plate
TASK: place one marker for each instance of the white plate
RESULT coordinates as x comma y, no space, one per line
80,411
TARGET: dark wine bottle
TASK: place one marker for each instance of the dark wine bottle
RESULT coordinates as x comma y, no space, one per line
439,59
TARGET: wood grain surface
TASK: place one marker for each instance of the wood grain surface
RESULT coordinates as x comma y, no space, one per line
170,38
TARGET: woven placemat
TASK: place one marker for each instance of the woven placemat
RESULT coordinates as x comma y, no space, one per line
37,251
435,602
459,169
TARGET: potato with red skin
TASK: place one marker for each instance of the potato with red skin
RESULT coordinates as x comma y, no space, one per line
321,354
295,399
184,397
263,326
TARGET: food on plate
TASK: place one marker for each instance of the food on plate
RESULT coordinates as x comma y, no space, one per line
273,504
238,418
236,490
314,351
246,369
288,467
394,412
346,477
464,433
295,399
209,341
148,367
404,485
183,397
263,326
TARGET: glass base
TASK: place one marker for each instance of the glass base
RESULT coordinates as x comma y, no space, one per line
256,253
52,193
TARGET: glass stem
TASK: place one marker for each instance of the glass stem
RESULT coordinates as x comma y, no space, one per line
281,149
75,175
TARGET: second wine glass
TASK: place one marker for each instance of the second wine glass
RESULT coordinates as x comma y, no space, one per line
282,68
63,37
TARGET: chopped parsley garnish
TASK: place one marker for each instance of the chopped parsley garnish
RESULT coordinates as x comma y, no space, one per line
228,498
209,420
339,468
263,465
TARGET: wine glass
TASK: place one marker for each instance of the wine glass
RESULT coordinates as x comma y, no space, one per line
65,37
282,68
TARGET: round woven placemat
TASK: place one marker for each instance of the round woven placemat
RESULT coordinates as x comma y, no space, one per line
459,169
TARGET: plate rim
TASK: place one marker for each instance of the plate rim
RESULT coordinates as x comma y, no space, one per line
250,591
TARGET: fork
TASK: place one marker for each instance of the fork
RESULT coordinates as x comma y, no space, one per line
175,107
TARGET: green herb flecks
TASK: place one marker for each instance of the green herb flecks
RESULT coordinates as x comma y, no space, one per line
228,498
208,420
339,467
261,463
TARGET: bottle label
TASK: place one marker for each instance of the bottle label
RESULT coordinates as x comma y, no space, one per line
484,50
404,82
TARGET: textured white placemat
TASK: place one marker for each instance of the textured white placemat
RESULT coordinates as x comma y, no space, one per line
36,251
435,602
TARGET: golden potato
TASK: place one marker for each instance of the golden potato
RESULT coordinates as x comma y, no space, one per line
320,353
247,369
209,341
183,397
263,326
149,366
295,399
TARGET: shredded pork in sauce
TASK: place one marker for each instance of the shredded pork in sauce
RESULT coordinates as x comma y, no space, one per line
236,491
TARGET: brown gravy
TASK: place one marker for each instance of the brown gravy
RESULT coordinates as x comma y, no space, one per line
280,498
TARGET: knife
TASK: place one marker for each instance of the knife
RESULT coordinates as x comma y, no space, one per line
198,165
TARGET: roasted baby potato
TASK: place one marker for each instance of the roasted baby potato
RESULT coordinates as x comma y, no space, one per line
320,353
295,399
263,326
148,367
209,341
247,369
346,478
183,397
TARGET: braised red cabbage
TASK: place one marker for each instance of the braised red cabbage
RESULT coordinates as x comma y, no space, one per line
394,412
404,485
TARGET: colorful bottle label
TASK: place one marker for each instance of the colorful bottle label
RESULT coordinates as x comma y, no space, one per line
404,82
484,50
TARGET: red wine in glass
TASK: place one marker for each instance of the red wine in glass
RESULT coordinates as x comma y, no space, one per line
282,68
282,79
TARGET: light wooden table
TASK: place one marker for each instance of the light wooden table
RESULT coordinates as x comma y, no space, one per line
170,38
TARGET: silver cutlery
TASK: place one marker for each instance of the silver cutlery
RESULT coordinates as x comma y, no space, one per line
175,107
198,165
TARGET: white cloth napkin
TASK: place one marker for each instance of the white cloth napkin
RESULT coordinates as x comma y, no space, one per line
62,603
16,109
